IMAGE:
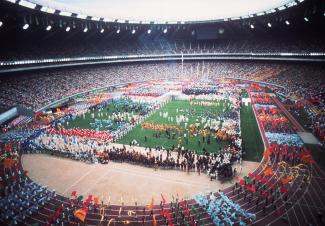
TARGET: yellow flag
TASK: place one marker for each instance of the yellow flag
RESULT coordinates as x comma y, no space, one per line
151,204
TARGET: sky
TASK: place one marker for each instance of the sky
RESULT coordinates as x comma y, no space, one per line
164,10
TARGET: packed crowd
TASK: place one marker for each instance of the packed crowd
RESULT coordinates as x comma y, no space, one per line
72,48
38,89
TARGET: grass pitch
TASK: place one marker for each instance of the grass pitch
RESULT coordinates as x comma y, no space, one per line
85,122
193,112
252,141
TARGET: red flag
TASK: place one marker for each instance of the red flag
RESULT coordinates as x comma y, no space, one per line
73,195
182,204
251,188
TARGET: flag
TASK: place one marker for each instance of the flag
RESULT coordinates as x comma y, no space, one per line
248,179
151,204
8,163
73,195
80,214
182,204
267,153
193,210
96,200
251,188
268,171
307,158
286,180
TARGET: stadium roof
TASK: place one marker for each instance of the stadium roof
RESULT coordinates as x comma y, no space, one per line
162,11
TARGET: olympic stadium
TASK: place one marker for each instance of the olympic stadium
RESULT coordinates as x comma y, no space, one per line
162,112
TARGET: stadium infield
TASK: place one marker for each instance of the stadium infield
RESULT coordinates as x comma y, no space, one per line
177,108
252,142
121,180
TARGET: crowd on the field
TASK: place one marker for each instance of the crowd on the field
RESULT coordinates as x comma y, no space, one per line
75,147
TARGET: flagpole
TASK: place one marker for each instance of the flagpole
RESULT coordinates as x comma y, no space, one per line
182,75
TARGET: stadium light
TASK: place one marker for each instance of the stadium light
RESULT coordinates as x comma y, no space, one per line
118,31
67,29
1,23
102,30
149,31
269,24
49,27
81,16
252,26
47,9
85,29
133,31
27,4
165,30
306,19
63,13
26,26
287,22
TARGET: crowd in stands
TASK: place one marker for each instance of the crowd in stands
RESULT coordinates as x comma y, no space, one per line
72,48
37,89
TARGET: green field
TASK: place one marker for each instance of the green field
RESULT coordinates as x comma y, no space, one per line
101,119
84,122
252,141
194,112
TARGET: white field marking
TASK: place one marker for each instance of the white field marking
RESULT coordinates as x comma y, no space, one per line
96,182
78,180
161,178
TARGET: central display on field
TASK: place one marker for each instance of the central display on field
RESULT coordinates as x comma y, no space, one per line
190,124
201,119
